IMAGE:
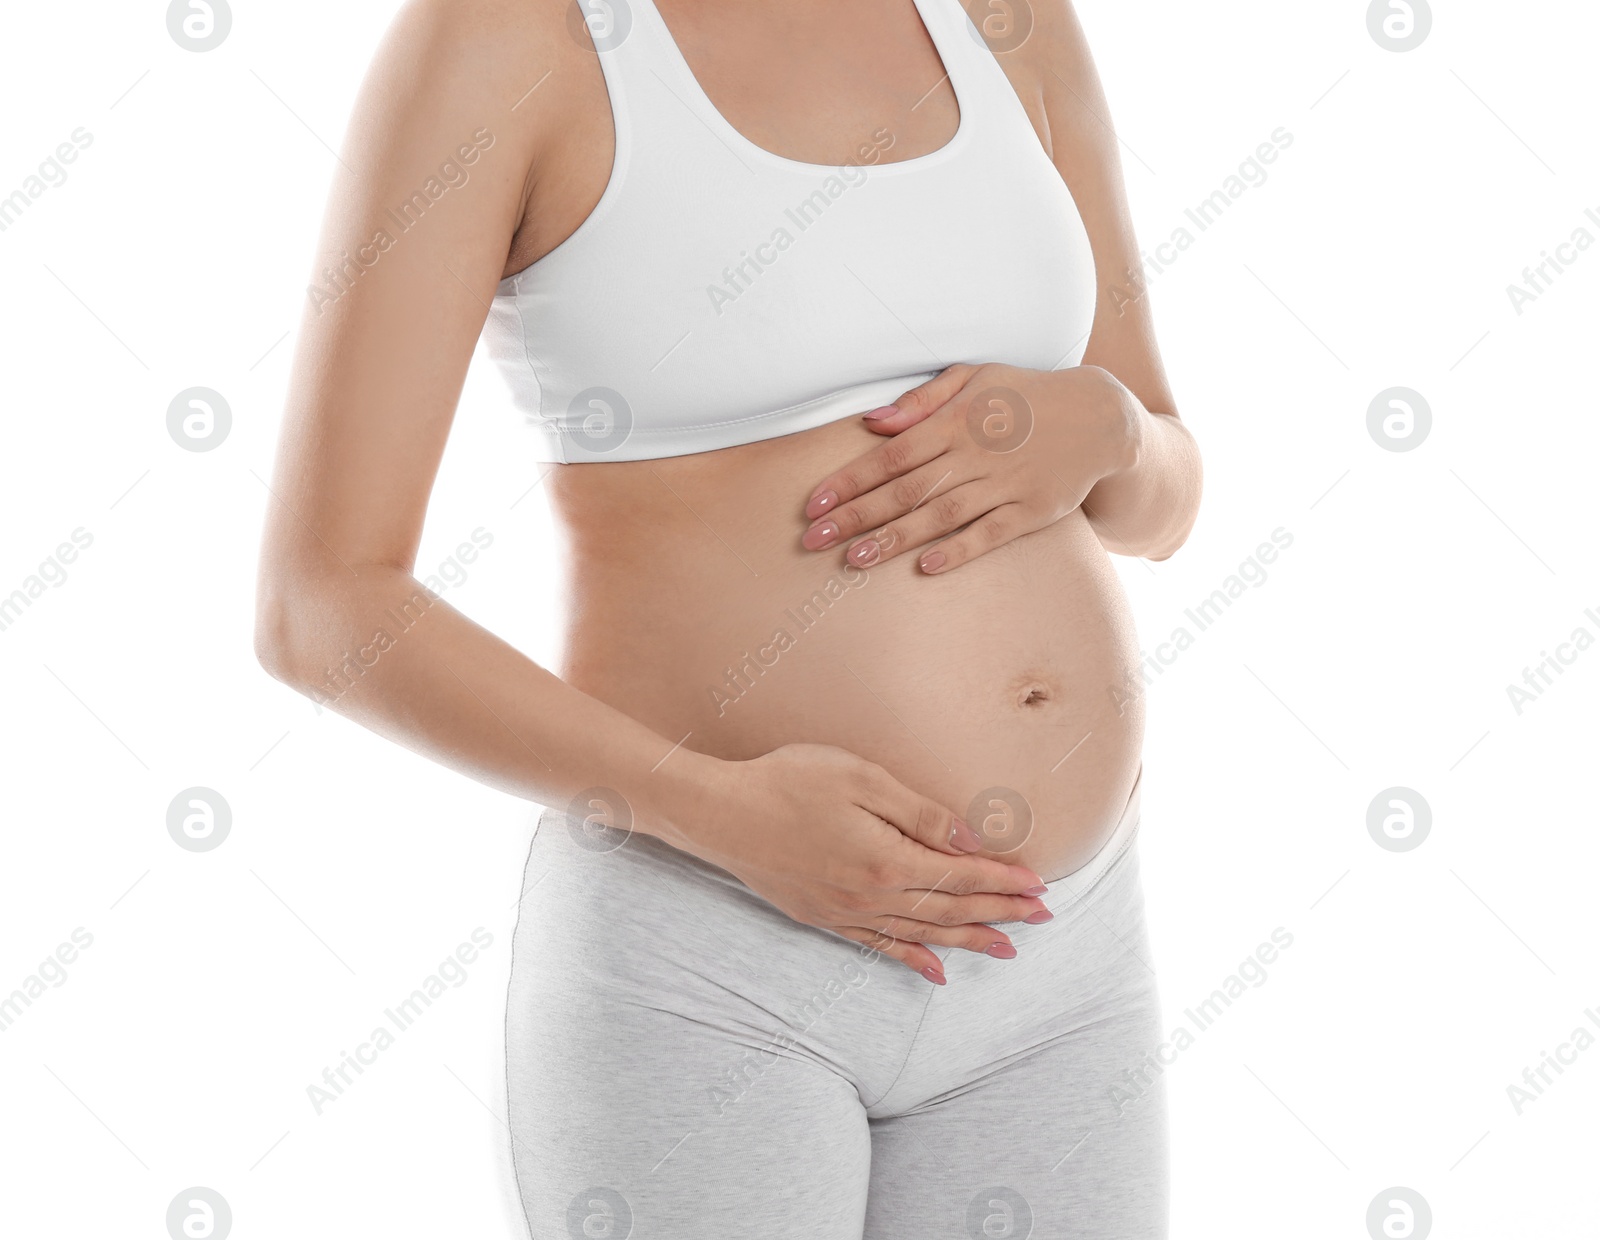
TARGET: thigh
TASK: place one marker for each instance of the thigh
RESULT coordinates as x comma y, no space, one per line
1032,1107
1047,1149
616,1132
653,1090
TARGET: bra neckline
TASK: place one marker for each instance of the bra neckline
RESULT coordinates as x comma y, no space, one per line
725,129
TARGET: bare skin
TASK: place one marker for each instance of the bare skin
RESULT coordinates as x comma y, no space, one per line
838,777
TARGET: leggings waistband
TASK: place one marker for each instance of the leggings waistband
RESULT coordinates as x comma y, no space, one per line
591,837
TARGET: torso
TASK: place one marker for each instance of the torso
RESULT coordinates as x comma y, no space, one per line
733,50
1002,677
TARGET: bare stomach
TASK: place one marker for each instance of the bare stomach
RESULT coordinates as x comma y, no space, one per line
995,689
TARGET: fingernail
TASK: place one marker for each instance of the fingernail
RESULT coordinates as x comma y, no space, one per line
820,503
964,837
932,562
1001,951
1040,890
820,536
883,411
864,553
933,975
1039,918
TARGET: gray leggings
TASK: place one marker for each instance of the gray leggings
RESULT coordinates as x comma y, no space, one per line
684,1061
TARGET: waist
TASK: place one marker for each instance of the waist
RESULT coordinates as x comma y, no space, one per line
575,835
999,689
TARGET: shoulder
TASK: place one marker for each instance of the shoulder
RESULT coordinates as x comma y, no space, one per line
1041,47
442,64
487,30
1042,28
1044,51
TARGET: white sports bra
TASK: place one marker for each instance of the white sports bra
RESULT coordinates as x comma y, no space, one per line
720,294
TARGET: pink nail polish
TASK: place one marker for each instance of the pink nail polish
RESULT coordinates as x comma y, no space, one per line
932,562
865,553
1001,951
881,412
933,975
964,837
820,536
1040,890
821,502
1039,918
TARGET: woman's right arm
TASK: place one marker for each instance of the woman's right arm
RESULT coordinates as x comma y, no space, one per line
446,136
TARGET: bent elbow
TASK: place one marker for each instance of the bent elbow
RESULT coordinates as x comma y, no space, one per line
273,649
278,623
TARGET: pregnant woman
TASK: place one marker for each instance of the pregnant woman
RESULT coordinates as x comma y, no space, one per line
826,325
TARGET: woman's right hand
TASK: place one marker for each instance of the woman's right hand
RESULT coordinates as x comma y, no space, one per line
835,841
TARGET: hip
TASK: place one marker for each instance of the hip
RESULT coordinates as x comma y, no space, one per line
617,927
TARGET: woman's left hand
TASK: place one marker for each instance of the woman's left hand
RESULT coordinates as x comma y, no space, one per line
1001,450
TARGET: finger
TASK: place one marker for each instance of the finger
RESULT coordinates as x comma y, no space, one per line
943,909
975,937
965,876
914,956
993,529
916,817
920,401
875,467
942,514
912,491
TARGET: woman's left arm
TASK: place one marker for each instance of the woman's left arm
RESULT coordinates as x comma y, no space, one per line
1002,450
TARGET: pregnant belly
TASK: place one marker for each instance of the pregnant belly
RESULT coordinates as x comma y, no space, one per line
999,689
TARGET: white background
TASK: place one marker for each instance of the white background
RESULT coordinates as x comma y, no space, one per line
1377,652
